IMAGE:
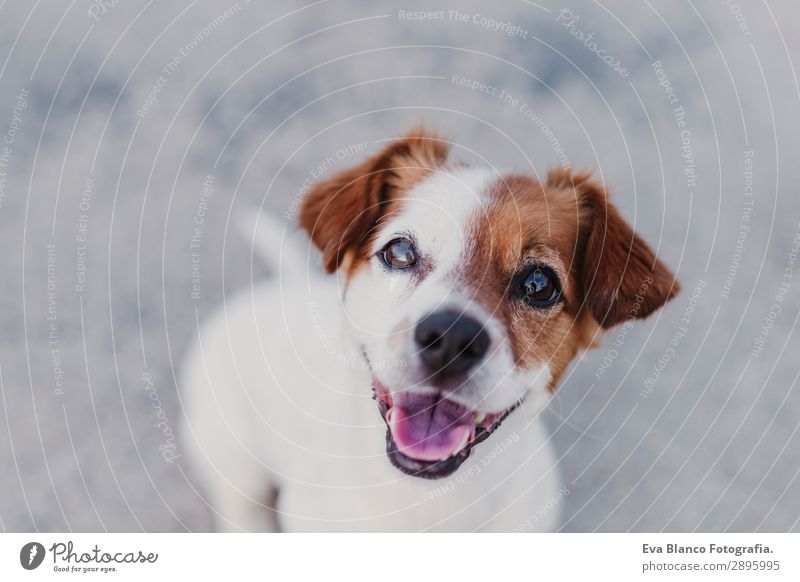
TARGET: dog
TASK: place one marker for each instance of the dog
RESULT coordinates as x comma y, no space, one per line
404,393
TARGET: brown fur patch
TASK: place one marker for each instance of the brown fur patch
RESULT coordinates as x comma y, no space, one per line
607,273
621,276
340,213
524,224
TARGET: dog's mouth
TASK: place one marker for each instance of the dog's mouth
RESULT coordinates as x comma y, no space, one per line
429,435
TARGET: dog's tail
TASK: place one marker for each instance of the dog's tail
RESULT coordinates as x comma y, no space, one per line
272,241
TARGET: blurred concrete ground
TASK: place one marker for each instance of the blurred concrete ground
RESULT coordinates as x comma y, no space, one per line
125,124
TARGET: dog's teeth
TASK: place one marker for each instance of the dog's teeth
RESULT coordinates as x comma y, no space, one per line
479,417
390,418
464,441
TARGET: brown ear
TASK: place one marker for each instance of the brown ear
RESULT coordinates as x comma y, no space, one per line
338,213
621,276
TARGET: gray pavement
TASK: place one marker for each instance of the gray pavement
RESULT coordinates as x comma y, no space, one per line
115,116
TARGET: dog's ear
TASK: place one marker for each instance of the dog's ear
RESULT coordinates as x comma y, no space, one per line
620,275
338,213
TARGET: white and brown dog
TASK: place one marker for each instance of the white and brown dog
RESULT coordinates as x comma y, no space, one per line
404,394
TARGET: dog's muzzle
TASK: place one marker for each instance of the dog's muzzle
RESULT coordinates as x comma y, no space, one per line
429,435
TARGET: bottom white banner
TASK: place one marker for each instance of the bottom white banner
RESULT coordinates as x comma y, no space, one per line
409,557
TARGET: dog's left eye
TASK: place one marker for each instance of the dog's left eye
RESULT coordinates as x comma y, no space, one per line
540,287
399,254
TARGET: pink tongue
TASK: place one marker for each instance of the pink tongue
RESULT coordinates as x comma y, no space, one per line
426,428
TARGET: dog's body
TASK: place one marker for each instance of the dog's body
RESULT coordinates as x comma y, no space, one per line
461,299
269,408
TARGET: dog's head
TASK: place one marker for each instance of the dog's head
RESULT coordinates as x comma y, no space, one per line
468,291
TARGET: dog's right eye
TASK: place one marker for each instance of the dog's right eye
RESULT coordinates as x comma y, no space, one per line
399,254
540,287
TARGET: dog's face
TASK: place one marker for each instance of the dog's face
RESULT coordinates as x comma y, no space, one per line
468,292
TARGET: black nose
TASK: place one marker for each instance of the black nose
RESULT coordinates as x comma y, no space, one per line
450,343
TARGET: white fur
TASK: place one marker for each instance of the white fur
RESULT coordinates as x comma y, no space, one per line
277,395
